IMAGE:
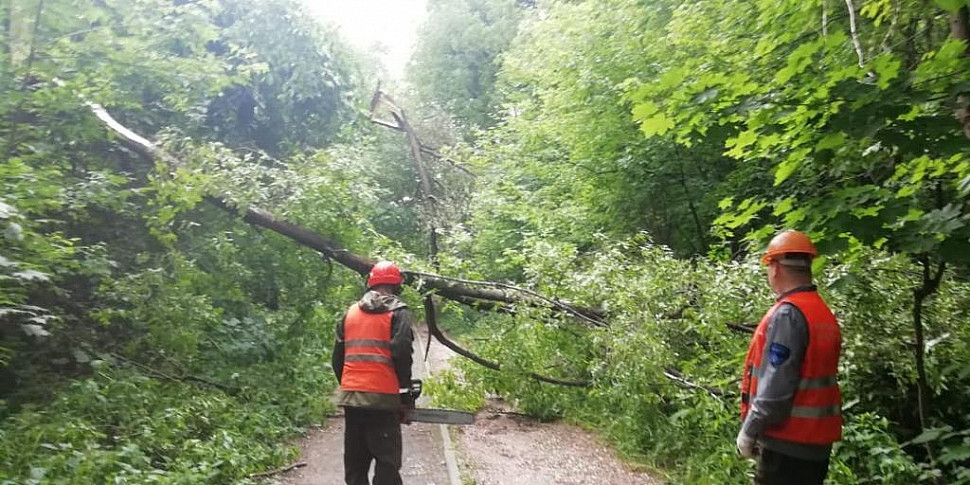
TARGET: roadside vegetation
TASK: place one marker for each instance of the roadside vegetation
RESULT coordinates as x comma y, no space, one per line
630,158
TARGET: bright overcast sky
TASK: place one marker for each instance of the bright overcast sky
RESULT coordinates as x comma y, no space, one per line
391,23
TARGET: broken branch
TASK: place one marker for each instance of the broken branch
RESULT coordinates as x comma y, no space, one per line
278,470
740,327
593,317
680,380
401,124
431,318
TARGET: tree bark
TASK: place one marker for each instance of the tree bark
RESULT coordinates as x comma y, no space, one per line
960,26
682,381
381,98
854,33
278,470
300,234
741,327
587,315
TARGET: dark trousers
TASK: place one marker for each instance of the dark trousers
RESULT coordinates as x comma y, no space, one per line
372,435
778,469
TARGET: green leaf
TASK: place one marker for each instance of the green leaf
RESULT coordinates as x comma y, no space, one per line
784,206
830,141
867,211
905,191
819,263
955,454
645,110
656,125
929,435
886,68
795,217
951,5
785,169
740,142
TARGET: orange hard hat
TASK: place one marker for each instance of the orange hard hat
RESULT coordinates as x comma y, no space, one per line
789,241
384,273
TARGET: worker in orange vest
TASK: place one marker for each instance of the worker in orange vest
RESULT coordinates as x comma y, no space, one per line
790,401
372,361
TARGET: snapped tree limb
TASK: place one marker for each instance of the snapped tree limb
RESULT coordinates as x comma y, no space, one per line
429,202
431,318
400,124
680,380
741,327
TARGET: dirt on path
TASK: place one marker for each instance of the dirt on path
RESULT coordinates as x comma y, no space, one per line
503,449
509,449
499,449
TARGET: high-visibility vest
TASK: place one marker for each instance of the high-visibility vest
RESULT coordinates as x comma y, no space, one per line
816,414
368,366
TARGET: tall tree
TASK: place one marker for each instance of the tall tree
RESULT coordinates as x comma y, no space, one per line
457,57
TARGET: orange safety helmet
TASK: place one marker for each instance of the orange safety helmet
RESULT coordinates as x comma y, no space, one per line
789,241
384,273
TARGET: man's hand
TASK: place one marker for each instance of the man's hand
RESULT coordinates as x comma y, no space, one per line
404,412
746,445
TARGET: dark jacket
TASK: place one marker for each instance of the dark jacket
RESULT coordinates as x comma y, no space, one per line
401,341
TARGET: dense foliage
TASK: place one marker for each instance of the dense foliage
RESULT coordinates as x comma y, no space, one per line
704,127
627,156
668,314
145,337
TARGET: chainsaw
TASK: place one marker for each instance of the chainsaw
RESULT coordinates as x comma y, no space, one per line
442,416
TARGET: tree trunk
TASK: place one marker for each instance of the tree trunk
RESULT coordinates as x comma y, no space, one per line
960,26
430,204
929,284
6,38
701,238
13,139
960,29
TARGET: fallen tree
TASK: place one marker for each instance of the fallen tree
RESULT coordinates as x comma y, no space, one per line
459,290
486,295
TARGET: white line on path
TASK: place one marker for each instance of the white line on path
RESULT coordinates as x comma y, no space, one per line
451,461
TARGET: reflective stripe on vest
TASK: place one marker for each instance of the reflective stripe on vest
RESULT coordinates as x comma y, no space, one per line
368,358
366,342
816,415
816,411
368,366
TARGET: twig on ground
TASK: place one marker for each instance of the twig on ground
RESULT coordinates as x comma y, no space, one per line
278,470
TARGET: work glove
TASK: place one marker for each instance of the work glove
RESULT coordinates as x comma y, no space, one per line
404,413
747,447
